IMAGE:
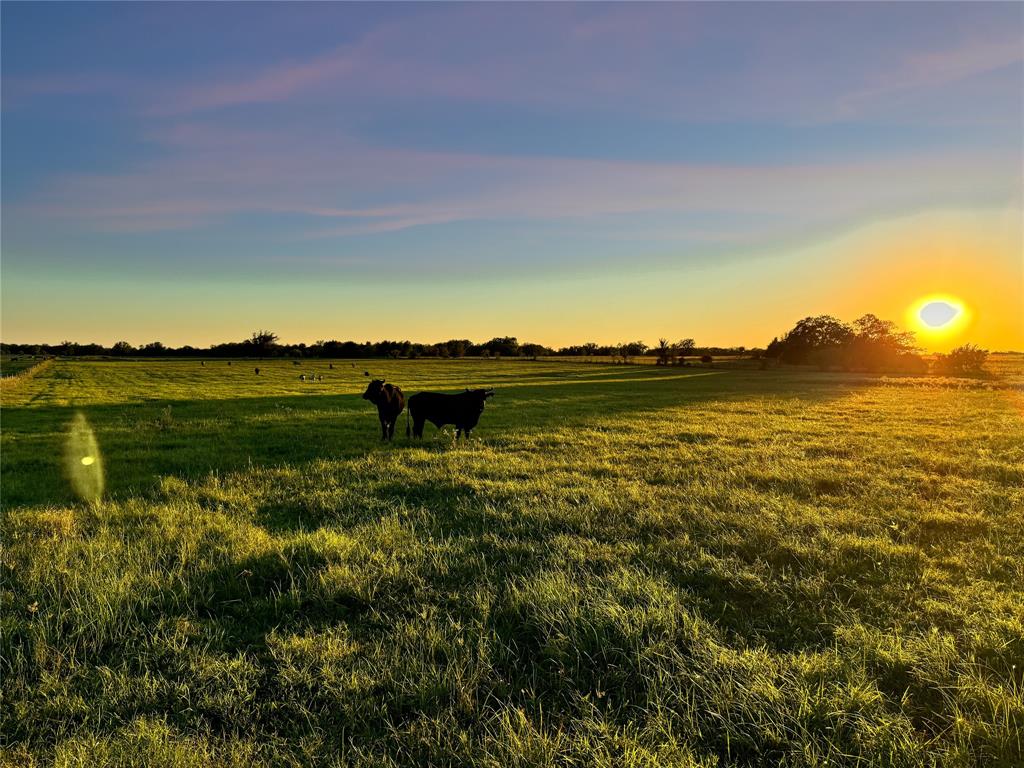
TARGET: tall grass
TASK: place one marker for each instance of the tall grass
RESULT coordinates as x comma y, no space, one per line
626,568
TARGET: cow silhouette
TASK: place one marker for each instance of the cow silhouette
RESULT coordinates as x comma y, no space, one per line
390,403
463,410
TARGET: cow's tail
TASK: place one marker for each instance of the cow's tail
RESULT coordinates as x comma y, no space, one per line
408,433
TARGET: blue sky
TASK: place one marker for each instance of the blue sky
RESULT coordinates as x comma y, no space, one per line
559,172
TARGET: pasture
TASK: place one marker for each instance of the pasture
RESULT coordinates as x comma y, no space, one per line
626,566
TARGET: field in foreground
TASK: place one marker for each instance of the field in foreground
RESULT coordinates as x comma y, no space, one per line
626,567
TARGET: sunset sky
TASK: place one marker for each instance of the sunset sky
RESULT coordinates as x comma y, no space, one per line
561,173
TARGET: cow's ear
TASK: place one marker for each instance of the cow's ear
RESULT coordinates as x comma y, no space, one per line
383,380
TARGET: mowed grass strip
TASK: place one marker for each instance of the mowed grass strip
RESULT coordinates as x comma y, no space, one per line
625,567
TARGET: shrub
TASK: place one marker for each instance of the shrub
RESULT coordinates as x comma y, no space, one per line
968,359
910,363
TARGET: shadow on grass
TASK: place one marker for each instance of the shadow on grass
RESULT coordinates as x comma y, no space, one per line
190,438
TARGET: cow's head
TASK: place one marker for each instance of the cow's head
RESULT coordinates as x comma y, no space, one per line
480,395
373,390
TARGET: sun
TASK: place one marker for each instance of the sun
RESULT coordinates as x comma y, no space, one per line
938,315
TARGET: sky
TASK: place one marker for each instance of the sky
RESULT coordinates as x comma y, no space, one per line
561,173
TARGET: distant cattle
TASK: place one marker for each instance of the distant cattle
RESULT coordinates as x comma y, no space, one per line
257,371
390,403
462,410
302,377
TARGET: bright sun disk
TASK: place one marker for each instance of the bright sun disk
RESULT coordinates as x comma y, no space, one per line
938,316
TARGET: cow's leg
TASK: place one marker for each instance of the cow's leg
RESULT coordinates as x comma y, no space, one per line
391,430
383,429
417,427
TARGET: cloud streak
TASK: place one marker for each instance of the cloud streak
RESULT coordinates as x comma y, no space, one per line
934,69
651,61
320,188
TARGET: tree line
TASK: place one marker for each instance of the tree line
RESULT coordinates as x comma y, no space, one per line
263,343
867,344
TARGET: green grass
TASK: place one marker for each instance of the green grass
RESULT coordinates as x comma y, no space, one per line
17,366
626,566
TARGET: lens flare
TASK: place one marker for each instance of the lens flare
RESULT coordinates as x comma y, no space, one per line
82,461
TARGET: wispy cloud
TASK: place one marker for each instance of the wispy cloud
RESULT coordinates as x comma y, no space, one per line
652,60
680,62
18,90
934,69
325,187
277,83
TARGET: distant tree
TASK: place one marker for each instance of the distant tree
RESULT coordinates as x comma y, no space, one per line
685,347
665,352
68,348
812,337
869,343
966,360
534,350
631,349
122,348
261,341
457,347
877,345
707,359
506,346
154,348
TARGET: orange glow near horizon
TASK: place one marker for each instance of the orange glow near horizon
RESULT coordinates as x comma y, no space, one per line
970,260
888,268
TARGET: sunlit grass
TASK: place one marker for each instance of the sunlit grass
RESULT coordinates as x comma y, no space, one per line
625,566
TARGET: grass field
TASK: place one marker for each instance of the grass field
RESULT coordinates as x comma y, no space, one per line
16,366
626,566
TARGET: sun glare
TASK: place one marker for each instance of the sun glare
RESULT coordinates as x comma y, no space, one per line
938,315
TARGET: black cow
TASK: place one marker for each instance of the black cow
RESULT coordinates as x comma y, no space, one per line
390,403
462,410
